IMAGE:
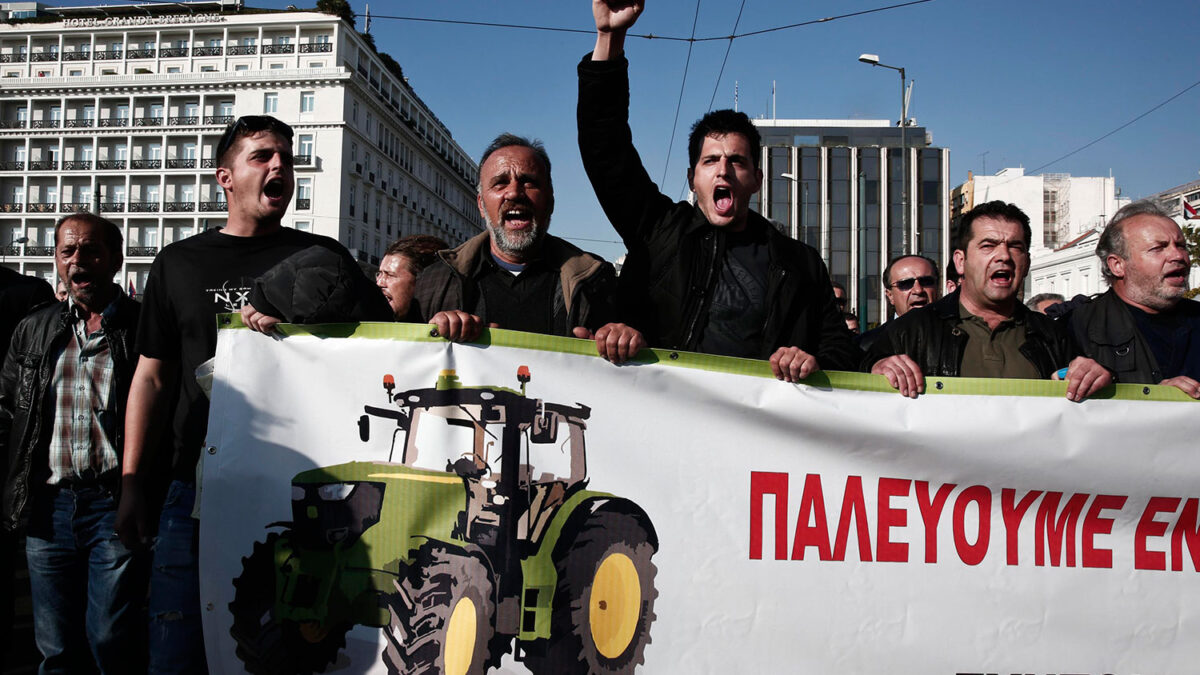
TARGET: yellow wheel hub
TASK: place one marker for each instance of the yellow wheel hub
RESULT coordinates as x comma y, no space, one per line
615,605
313,632
460,637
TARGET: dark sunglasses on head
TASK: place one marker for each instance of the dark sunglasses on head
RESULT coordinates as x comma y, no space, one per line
906,284
251,124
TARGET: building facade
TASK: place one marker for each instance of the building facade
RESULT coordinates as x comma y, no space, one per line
119,109
841,187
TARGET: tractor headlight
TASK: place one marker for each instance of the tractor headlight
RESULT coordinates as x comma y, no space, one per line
335,492
298,493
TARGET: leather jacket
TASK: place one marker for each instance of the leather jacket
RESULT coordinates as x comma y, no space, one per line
930,336
27,405
1106,332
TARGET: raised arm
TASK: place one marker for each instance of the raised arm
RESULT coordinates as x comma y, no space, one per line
613,19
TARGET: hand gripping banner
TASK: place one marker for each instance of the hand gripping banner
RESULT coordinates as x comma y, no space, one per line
375,500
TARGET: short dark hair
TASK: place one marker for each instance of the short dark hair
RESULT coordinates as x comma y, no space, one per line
952,272
109,230
248,125
887,271
1112,239
420,250
995,209
507,140
721,123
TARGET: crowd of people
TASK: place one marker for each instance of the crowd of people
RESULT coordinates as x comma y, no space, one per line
102,421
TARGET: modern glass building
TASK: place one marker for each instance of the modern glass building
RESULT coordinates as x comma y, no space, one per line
839,186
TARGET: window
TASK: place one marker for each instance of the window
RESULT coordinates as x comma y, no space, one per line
276,66
304,188
308,101
271,103
152,196
154,151
241,67
321,39
305,146
304,226
191,110
316,64
75,73
353,152
354,111
208,69
350,199
225,109
174,69
189,151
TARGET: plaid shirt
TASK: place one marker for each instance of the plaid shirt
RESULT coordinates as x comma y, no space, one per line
81,444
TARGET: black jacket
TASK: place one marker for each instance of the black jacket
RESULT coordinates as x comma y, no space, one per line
931,337
675,256
319,285
583,296
27,404
1106,332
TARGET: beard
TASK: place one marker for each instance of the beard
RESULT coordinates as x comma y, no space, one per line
517,244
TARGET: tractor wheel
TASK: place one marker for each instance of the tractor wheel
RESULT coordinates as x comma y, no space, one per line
442,616
270,646
604,601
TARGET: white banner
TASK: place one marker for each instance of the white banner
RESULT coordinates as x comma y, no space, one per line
397,504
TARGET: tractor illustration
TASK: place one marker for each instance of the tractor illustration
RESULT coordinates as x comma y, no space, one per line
482,538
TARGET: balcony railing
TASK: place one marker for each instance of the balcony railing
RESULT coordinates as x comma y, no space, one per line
303,204
42,57
302,160
106,54
315,47
140,54
110,164
143,251
279,49
81,123
143,207
44,165
146,164
172,52
181,163
76,55
242,50
12,165
10,250
39,250
183,120
208,163
214,206
12,58
44,124
41,207
78,165
12,124
75,207
107,122
11,207
112,206
219,119
148,121
206,51
176,207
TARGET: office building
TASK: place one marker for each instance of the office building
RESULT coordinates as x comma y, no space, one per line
119,107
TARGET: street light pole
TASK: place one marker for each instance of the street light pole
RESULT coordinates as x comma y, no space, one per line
873,59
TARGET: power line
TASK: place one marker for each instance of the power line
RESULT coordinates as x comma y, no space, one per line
651,36
1088,145
679,102
728,47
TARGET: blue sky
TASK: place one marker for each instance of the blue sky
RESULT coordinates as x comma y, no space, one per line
1025,82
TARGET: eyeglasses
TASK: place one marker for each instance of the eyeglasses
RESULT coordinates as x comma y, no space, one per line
251,124
907,284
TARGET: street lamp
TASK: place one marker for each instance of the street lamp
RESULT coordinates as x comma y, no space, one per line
18,240
873,60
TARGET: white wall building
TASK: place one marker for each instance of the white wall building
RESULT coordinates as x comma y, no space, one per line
122,106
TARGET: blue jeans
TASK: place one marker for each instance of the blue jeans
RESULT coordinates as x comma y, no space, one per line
87,588
176,638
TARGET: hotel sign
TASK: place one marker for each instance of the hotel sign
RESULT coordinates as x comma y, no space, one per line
114,21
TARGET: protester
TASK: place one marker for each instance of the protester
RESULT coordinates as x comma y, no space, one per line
851,322
909,281
982,330
839,296
190,282
1143,328
403,260
712,277
516,275
1042,301
952,277
69,368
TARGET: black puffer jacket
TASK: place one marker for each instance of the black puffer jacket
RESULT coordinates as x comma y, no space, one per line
675,255
319,285
27,405
931,337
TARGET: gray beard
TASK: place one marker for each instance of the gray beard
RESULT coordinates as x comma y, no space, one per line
519,243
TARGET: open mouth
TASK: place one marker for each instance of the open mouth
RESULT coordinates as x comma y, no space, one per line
723,200
1002,277
1178,276
517,217
274,189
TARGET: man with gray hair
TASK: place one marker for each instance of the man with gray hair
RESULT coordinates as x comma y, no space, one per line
1143,329
1041,301
516,275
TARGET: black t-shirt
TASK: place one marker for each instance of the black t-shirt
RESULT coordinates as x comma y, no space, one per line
738,313
190,282
522,301
1173,337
